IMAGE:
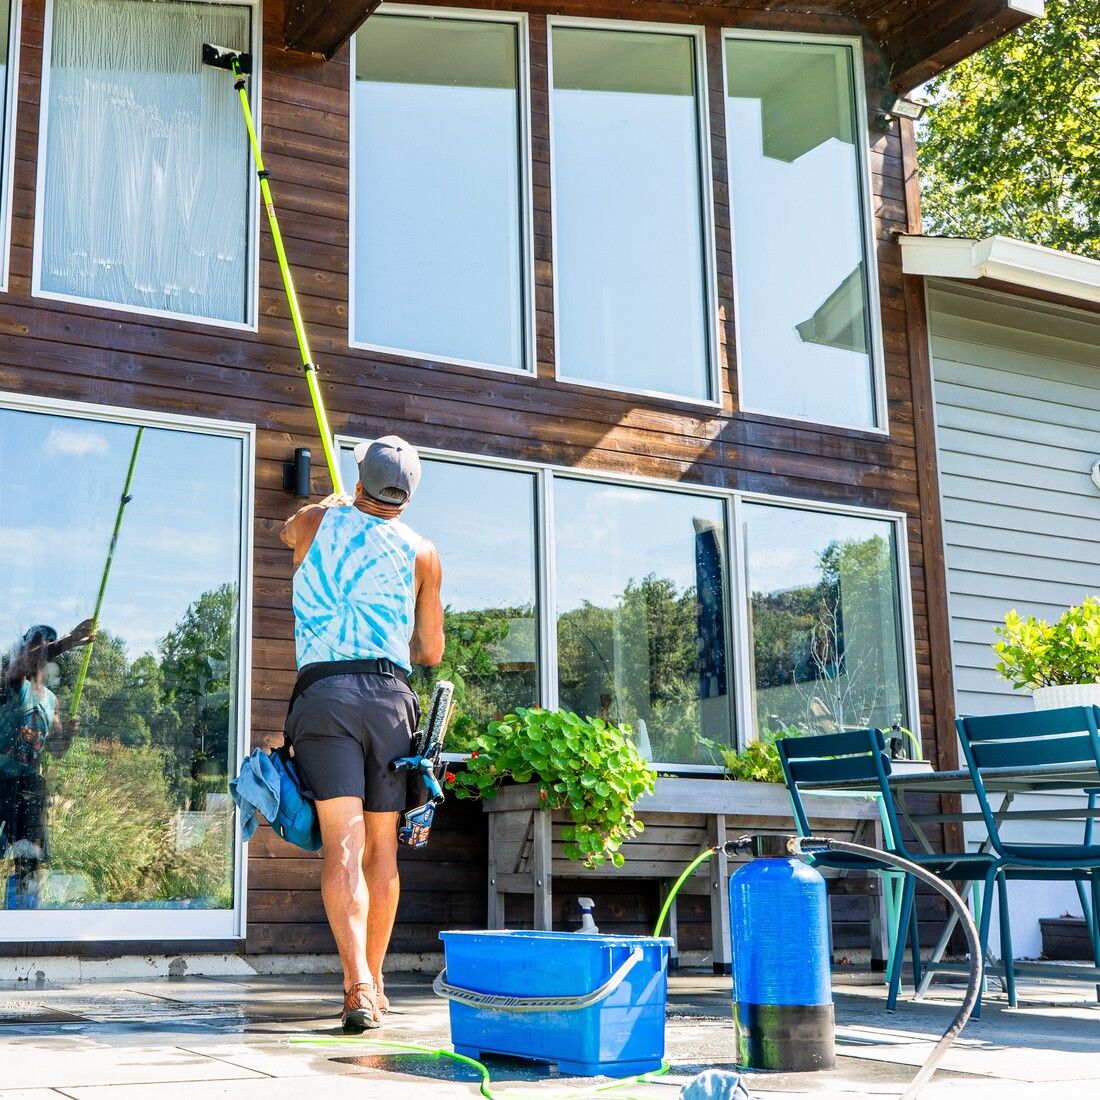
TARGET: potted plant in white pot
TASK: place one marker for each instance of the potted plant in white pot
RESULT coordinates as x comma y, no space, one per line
1059,662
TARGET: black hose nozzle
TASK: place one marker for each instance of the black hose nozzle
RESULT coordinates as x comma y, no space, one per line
222,57
760,846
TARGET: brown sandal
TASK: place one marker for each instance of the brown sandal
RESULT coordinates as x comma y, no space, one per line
360,1008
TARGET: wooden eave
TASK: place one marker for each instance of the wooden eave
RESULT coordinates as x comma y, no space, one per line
916,38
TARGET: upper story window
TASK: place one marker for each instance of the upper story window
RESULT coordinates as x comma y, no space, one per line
630,211
8,51
805,276
144,184
439,189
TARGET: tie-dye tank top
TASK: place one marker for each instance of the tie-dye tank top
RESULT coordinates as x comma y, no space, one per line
354,593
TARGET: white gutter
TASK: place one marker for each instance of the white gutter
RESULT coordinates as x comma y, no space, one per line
1004,259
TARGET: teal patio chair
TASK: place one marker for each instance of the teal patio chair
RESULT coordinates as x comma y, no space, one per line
860,756
1067,737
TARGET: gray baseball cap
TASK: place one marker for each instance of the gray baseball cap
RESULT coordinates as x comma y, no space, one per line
389,469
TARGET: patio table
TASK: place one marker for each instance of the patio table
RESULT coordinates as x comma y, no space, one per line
1008,782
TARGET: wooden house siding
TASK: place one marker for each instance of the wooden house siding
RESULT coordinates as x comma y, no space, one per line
60,350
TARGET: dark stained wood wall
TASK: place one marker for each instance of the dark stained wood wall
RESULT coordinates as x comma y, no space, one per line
93,354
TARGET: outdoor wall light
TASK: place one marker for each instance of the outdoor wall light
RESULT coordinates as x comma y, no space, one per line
1096,474
900,106
296,473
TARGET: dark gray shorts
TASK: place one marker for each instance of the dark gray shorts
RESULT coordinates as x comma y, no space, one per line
345,730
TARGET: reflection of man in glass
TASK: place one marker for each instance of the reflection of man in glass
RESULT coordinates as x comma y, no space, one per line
29,721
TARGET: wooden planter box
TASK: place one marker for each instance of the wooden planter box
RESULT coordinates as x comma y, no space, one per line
681,817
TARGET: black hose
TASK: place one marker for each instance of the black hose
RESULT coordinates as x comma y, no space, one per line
808,845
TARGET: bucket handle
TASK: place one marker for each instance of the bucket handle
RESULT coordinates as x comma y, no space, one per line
505,1003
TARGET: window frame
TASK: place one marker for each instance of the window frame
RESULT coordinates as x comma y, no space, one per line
709,274
738,620
906,624
67,925
7,144
252,281
521,22
876,353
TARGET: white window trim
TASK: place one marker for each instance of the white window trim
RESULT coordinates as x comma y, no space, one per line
870,254
251,323
521,22
709,274
7,146
739,644
49,925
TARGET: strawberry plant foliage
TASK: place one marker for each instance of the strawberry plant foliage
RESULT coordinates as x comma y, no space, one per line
585,765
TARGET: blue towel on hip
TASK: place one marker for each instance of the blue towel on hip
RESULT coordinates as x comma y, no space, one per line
269,784
256,790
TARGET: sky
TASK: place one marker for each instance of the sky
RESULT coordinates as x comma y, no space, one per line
63,476
785,544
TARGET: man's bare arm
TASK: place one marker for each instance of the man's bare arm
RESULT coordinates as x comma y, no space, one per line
426,644
300,530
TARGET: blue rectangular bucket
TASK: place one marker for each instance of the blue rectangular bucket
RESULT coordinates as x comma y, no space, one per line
590,1004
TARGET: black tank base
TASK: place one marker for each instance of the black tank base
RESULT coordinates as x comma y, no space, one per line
785,1038
723,968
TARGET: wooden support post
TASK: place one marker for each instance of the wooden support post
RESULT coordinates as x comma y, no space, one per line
719,898
672,928
540,871
870,833
496,902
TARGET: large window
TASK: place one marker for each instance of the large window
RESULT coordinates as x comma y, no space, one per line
805,282
144,188
115,751
630,217
640,610
482,520
827,649
9,45
635,619
438,189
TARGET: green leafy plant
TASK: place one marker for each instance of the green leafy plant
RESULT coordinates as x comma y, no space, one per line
585,765
758,761
1033,653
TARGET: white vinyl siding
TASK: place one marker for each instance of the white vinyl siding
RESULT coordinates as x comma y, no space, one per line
1017,388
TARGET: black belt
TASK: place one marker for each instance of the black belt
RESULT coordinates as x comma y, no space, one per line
323,670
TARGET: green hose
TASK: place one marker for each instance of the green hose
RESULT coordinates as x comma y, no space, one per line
482,1070
700,858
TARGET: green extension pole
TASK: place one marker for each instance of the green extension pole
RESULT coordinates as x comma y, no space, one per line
240,64
122,502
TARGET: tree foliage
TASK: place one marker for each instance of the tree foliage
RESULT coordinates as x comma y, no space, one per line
1012,143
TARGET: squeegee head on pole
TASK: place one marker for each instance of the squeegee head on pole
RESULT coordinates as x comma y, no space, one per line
222,57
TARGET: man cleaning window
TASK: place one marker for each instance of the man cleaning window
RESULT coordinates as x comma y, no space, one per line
366,607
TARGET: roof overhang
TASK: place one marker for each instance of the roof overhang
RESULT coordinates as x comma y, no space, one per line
916,38
1005,261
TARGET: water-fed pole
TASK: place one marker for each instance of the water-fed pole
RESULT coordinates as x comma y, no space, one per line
240,65
123,500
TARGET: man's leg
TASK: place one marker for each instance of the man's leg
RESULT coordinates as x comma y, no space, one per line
343,886
384,889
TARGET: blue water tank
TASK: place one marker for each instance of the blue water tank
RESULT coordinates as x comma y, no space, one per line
782,991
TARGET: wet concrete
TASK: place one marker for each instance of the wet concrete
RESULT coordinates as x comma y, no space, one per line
234,1037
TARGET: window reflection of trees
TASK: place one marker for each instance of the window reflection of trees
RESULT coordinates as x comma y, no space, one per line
638,659
138,811
826,653
491,658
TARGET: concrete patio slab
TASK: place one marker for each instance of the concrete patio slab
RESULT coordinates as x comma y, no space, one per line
232,1037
